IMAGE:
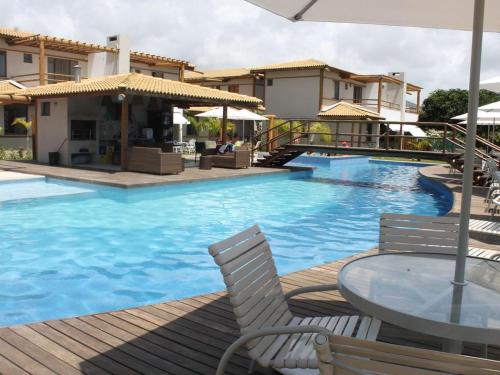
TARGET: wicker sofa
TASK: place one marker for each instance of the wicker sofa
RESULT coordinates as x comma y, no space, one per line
153,160
236,159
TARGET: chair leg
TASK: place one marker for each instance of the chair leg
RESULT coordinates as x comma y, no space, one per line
251,368
484,351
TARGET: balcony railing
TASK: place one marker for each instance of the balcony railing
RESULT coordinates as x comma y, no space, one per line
33,79
373,103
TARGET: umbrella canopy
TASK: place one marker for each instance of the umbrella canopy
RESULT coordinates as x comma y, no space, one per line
492,107
437,14
492,84
412,129
480,122
475,15
179,118
481,115
217,112
245,114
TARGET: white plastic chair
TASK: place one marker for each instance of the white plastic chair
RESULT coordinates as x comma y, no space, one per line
273,336
430,234
190,147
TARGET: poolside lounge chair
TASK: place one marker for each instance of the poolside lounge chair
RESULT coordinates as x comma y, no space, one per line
484,227
351,356
426,234
273,336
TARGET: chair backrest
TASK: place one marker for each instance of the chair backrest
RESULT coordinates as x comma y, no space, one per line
388,359
428,234
192,142
491,167
252,282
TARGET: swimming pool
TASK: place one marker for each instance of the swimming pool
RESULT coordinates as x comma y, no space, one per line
92,248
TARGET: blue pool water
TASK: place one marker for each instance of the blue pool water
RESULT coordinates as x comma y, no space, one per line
96,248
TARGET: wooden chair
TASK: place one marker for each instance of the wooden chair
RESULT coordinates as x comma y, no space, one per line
347,355
272,335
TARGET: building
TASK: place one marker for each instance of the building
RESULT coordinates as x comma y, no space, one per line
238,80
89,103
302,89
28,59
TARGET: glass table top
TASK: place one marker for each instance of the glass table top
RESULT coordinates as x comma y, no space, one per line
419,285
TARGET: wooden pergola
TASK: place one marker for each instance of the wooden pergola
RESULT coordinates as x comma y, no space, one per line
44,42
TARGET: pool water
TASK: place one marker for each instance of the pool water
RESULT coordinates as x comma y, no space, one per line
95,248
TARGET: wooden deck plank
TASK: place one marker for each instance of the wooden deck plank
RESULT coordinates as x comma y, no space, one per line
178,337
56,349
45,358
22,360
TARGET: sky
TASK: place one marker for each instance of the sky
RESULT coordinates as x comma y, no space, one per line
215,34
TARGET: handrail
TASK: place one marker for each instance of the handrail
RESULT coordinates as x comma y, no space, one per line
478,138
300,129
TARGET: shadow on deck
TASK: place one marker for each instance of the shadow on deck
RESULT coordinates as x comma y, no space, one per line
179,337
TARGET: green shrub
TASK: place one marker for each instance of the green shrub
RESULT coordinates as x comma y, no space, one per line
15,154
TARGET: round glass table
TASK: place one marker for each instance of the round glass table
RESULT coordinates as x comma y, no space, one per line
414,291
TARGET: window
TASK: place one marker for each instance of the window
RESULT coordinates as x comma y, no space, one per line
28,58
60,69
336,90
157,74
45,108
234,88
3,64
358,94
270,82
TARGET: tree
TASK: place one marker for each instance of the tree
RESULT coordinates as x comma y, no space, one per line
442,105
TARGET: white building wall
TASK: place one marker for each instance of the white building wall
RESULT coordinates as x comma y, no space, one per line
294,94
52,131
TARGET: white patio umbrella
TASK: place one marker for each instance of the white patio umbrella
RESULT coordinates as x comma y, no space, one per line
492,84
475,15
217,112
180,120
245,115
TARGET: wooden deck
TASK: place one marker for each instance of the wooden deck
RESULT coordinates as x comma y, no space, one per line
179,337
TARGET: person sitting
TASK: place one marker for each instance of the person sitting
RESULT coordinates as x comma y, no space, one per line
226,147
237,141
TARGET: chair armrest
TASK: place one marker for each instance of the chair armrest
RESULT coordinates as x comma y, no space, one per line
311,289
282,330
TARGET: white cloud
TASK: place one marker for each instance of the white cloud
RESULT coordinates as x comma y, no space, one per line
227,33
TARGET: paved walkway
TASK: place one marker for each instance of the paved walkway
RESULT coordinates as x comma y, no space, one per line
133,179
441,173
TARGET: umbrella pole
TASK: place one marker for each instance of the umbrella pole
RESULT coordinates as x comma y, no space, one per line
475,70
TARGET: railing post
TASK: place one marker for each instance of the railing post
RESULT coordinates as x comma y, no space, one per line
453,136
387,137
337,134
444,137
401,136
252,145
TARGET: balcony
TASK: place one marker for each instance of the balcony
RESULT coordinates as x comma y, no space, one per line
33,79
373,103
